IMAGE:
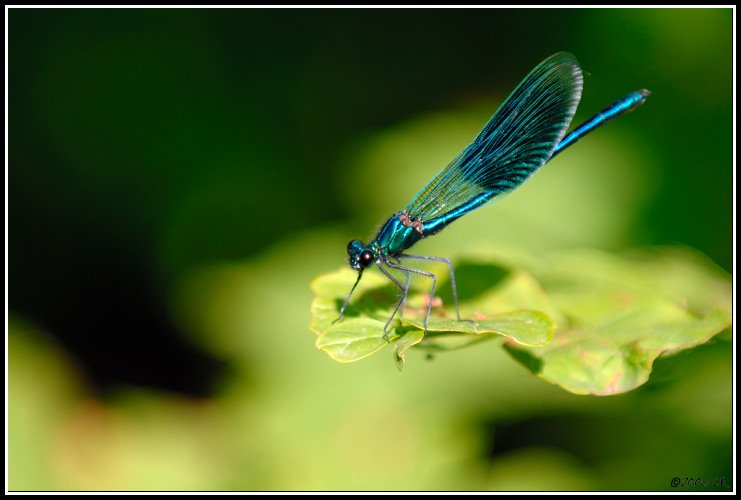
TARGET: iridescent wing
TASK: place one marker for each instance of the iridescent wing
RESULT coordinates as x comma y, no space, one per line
517,140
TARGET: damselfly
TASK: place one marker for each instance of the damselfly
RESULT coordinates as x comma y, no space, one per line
528,130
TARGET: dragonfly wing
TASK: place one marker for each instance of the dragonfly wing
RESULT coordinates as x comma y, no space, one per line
517,140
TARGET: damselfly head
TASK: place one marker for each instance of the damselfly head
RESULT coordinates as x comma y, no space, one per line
359,255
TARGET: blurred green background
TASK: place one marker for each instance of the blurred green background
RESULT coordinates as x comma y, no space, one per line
177,177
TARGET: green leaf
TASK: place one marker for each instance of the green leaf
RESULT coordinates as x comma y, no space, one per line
617,356
352,340
330,290
624,312
530,328
408,340
588,321
686,277
360,333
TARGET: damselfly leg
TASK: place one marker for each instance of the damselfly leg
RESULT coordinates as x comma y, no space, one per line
452,276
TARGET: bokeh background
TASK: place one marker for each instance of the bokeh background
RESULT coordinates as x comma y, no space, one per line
177,177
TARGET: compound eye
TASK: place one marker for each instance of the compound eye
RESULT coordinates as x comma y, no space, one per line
366,258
